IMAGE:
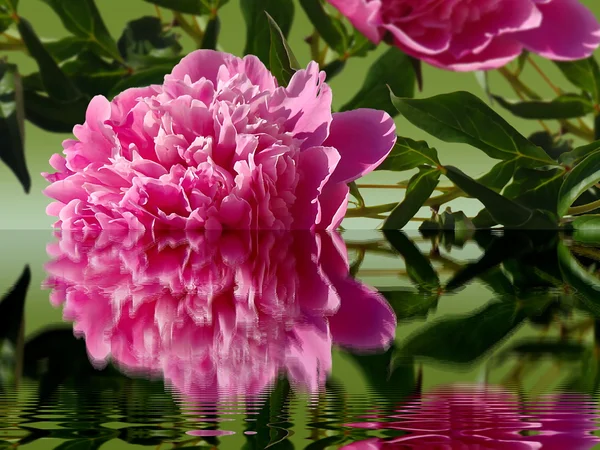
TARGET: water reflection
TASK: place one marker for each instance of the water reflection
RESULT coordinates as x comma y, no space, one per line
483,416
217,314
269,340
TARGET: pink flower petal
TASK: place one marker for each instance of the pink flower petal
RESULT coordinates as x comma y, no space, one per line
568,31
364,138
363,14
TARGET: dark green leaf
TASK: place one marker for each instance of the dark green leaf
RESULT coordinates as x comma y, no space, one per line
57,84
536,188
408,305
576,155
258,30
521,61
553,148
82,18
44,112
392,70
282,61
557,349
7,9
195,7
419,269
584,74
12,307
211,33
465,339
144,43
566,106
509,246
408,154
333,68
142,78
463,118
12,131
420,187
580,179
331,29
497,178
503,210
585,284
587,378
66,48
356,194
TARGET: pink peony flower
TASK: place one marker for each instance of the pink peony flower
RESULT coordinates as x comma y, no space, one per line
487,417
217,314
218,145
467,35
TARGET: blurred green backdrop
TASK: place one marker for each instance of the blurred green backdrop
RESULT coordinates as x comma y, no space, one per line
20,211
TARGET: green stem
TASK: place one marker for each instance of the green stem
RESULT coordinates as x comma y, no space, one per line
445,198
370,211
582,209
194,32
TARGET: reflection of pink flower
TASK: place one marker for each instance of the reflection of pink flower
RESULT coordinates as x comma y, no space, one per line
217,312
477,34
487,417
218,145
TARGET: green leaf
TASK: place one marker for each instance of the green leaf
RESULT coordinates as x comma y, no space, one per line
258,29
567,106
461,117
584,73
12,307
142,78
420,187
536,188
554,148
409,305
282,61
361,45
587,228
82,18
331,29
42,111
579,180
408,154
57,84
7,9
418,267
195,7
12,131
355,192
66,48
144,43
392,70
578,154
499,176
211,34
503,210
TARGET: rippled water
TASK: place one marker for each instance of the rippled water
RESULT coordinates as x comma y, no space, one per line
300,340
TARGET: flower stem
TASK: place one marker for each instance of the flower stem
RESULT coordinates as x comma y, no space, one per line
370,211
582,209
193,31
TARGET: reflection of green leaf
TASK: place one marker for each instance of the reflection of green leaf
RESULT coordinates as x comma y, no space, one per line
408,154
465,339
82,18
392,70
282,61
580,179
587,228
461,117
420,187
587,379
409,304
258,30
568,106
585,284
419,269
12,131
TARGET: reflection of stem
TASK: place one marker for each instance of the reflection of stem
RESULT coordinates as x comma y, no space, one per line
20,354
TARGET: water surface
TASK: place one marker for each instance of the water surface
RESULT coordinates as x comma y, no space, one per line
300,340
